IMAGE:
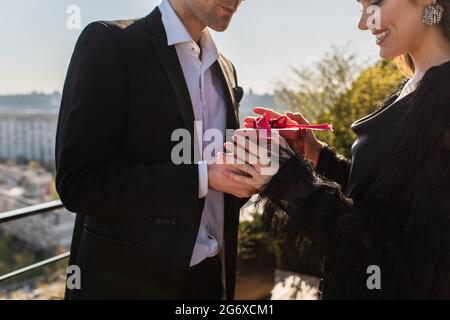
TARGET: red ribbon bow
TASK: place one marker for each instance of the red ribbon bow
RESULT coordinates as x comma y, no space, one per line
265,122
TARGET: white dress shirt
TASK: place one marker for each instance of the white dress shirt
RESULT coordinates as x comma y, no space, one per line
207,97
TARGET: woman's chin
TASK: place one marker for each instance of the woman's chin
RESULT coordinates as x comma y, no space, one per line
387,54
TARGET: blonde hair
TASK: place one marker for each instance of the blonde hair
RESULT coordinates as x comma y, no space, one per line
405,64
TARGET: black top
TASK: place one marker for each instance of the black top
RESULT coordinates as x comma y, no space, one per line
398,223
374,132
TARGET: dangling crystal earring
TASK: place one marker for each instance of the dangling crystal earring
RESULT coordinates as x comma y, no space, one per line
433,14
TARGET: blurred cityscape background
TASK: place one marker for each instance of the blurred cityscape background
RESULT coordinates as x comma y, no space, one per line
287,59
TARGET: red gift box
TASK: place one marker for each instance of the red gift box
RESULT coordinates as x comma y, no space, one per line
287,133
262,127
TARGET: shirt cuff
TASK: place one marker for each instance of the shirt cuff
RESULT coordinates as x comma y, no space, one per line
202,179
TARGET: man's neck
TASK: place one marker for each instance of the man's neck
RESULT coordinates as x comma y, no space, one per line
190,21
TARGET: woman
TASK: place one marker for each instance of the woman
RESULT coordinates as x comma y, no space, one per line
388,209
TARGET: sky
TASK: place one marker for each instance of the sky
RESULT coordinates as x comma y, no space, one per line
266,38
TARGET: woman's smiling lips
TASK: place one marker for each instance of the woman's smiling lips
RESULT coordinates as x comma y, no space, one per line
381,35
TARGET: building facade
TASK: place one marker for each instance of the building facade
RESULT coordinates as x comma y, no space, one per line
29,135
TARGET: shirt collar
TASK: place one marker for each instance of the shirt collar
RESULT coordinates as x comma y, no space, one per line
208,45
176,31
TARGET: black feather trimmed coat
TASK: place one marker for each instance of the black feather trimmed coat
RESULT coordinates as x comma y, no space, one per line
401,223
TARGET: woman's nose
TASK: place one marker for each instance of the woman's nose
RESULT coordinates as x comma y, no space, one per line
362,25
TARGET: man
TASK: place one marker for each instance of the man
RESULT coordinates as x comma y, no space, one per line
147,228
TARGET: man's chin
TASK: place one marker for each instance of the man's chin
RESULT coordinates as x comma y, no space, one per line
220,27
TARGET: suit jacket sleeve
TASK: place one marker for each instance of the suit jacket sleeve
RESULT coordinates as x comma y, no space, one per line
92,175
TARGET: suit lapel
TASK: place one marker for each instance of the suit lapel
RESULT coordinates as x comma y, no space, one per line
231,221
226,77
172,67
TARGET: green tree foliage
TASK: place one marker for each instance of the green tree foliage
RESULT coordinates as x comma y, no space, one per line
337,90
364,96
12,255
15,254
314,89
255,244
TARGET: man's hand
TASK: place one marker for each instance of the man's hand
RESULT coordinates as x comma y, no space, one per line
219,180
307,145
256,164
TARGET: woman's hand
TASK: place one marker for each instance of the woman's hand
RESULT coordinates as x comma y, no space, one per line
307,145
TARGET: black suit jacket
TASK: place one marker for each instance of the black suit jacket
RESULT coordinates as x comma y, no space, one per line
137,213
